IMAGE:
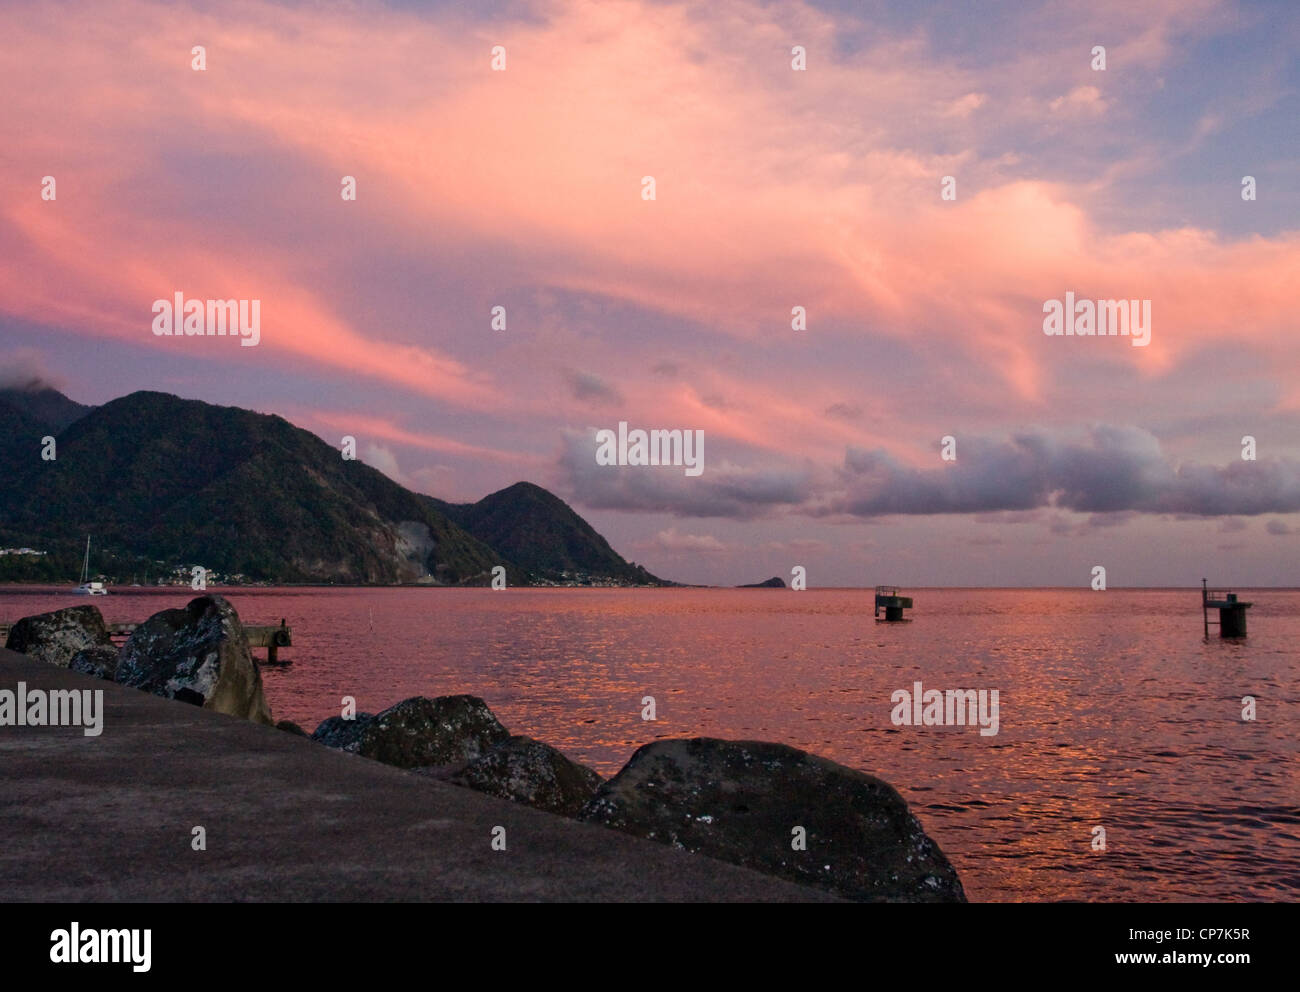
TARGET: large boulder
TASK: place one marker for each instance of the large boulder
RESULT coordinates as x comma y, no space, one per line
57,637
199,655
343,733
740,801
533,773
421,733
101,662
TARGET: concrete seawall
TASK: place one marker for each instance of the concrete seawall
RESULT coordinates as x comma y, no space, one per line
110,818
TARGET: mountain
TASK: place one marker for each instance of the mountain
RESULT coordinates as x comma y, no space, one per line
47,407
28,413
542,534
163,479
20,438
159,480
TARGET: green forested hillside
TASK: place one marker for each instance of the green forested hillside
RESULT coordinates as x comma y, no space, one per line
161,481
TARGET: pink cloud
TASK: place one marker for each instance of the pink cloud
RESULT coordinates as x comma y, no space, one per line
775,188
368,426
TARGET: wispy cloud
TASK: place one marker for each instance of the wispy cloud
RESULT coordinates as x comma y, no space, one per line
775,189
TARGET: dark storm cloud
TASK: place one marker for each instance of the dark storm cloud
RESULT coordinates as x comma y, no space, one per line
1109,470
844,411
1111,473
723,490
588,387
24,368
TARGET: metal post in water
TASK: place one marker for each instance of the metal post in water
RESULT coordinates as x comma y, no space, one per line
1205,609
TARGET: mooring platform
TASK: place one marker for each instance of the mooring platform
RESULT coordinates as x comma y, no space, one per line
888,599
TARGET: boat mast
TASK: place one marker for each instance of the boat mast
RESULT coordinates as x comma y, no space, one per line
85,566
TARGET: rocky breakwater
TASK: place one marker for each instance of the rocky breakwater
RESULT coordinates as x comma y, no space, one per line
764,806
459,739
68,638
778,810
197,655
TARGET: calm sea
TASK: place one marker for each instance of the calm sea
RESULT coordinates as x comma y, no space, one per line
1115,712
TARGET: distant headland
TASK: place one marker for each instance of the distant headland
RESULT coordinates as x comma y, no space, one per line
165,484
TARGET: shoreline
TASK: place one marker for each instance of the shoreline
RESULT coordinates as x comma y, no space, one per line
287,819
119,589
733,800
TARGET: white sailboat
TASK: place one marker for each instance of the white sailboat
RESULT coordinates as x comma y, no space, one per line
89,588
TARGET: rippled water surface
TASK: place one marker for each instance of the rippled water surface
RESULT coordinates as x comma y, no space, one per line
1114,710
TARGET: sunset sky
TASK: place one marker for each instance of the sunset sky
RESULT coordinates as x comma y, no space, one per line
775,188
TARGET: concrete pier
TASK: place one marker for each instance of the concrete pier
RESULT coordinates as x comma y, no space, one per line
111,818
